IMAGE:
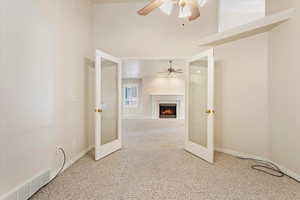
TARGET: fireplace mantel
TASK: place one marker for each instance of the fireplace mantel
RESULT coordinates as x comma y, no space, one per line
177,99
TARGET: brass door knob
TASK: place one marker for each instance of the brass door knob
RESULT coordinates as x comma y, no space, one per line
210,111
98,110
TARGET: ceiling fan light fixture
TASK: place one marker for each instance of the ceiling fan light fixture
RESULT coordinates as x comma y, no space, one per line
167,7
187,8
201,3
184,12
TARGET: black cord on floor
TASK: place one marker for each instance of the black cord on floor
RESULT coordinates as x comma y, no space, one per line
58,173
268,168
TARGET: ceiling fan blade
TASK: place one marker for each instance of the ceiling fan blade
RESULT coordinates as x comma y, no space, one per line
178,72
162,72
184,11
150,7
194,10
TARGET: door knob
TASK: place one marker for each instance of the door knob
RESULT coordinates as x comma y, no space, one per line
210,111
98,110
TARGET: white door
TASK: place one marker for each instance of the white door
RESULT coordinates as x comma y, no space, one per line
108,137
199,138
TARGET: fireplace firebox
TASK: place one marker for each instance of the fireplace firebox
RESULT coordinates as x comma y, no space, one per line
167,110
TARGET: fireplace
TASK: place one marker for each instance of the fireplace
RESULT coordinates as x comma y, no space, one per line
167,110
175,101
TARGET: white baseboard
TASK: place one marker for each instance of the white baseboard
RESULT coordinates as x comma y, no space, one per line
288,172
246,155
239,154
70,162
15,193
76,158
26,189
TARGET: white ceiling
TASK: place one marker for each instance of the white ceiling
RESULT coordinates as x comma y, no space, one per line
155,35
245,6
158,35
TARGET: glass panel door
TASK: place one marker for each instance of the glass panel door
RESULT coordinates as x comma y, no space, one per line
108,102
198,102
109,94
200,111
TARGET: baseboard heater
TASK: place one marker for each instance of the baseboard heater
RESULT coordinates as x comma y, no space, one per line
27,189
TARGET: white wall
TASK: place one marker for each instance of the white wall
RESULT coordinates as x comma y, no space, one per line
45,47
242,120
284,87
120,31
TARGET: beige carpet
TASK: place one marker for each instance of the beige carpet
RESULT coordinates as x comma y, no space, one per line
153,166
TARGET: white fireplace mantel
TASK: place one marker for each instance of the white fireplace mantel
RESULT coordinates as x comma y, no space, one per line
177,99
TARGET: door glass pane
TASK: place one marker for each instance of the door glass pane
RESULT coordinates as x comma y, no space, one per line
109,99
198,102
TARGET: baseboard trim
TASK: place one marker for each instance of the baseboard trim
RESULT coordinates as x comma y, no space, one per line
288,172
73,160
26,189
76,158
68,164
246,155
240,154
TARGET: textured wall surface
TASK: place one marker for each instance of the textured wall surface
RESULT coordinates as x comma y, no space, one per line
284,87
45,51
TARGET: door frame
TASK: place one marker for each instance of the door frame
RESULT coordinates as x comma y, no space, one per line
196,149
106,149
189,146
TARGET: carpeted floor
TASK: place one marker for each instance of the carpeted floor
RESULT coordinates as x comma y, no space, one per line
153,166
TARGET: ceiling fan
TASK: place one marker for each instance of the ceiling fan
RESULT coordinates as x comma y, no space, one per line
187,8
171,70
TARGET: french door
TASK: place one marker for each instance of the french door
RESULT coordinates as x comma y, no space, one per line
199,139
108,137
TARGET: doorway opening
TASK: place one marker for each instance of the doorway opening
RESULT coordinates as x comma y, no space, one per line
156,102
155,118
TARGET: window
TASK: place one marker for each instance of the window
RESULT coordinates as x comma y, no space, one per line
130,95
